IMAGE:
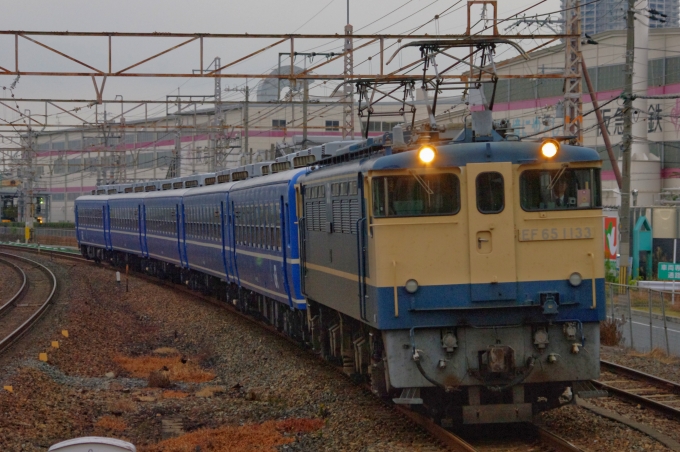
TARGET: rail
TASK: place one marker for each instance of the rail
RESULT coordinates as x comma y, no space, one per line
26,325
14,297
671,388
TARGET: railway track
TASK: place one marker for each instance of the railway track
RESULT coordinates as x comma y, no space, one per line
640,388
447,438
32,299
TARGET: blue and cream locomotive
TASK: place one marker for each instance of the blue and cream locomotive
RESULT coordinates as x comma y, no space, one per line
462,276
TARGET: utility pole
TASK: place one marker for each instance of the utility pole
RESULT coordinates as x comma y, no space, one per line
28,184
627,141
218,142
246,127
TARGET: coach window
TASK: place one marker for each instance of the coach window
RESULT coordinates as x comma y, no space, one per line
415,195
560,189
490,192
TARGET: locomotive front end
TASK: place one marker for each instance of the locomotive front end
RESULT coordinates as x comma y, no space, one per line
486,276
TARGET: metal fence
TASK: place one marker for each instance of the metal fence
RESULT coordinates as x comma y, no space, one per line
45,236
648,318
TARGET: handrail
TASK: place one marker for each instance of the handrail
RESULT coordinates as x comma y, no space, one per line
361,269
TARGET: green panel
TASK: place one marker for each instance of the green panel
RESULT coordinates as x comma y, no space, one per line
672,70
501,91
610,77
671,153
550,87
655,72
522,89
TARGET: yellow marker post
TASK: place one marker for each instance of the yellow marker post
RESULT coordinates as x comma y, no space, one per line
55,344
8,388
64,333
43,357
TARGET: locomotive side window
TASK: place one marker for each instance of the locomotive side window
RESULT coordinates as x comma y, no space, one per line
415,195
560,189
490,192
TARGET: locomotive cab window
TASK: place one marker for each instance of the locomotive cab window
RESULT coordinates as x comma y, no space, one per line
490,192
415,195
561,189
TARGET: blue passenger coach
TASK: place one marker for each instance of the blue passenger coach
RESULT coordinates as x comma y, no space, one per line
92,223
164,223
206,239
126,218
265,236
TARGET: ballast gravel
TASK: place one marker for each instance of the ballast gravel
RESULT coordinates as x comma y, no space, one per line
81,390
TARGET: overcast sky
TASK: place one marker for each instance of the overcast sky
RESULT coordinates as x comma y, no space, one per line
203,16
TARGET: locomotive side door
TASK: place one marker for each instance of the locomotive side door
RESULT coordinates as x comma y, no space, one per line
493,269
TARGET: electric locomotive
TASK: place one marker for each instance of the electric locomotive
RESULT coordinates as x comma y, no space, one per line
453,275
461,276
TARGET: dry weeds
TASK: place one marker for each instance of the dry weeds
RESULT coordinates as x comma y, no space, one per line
611,332
251,437
175,395
656,354
111,423
122,406
142,366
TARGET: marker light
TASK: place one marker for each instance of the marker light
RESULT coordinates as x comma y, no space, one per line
575,279
426,154
411,286
549,148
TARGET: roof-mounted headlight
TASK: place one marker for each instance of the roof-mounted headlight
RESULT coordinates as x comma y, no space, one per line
549,148
426,154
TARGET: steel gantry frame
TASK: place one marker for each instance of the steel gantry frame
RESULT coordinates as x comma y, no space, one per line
219,71
573,106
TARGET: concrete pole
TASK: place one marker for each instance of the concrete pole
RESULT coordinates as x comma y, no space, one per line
627,139
246,129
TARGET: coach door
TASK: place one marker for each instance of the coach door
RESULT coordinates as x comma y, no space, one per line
493,270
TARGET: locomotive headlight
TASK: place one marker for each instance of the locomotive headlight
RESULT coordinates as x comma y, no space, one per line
549,148
575,279
427,154
411,286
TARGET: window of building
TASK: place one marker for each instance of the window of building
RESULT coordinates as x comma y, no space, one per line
332,126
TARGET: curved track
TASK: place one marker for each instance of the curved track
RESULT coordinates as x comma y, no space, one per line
450,440
30,302
641,388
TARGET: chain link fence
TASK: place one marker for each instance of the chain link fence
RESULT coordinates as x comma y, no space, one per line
643,319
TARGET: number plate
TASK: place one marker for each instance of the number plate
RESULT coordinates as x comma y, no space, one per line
540,234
